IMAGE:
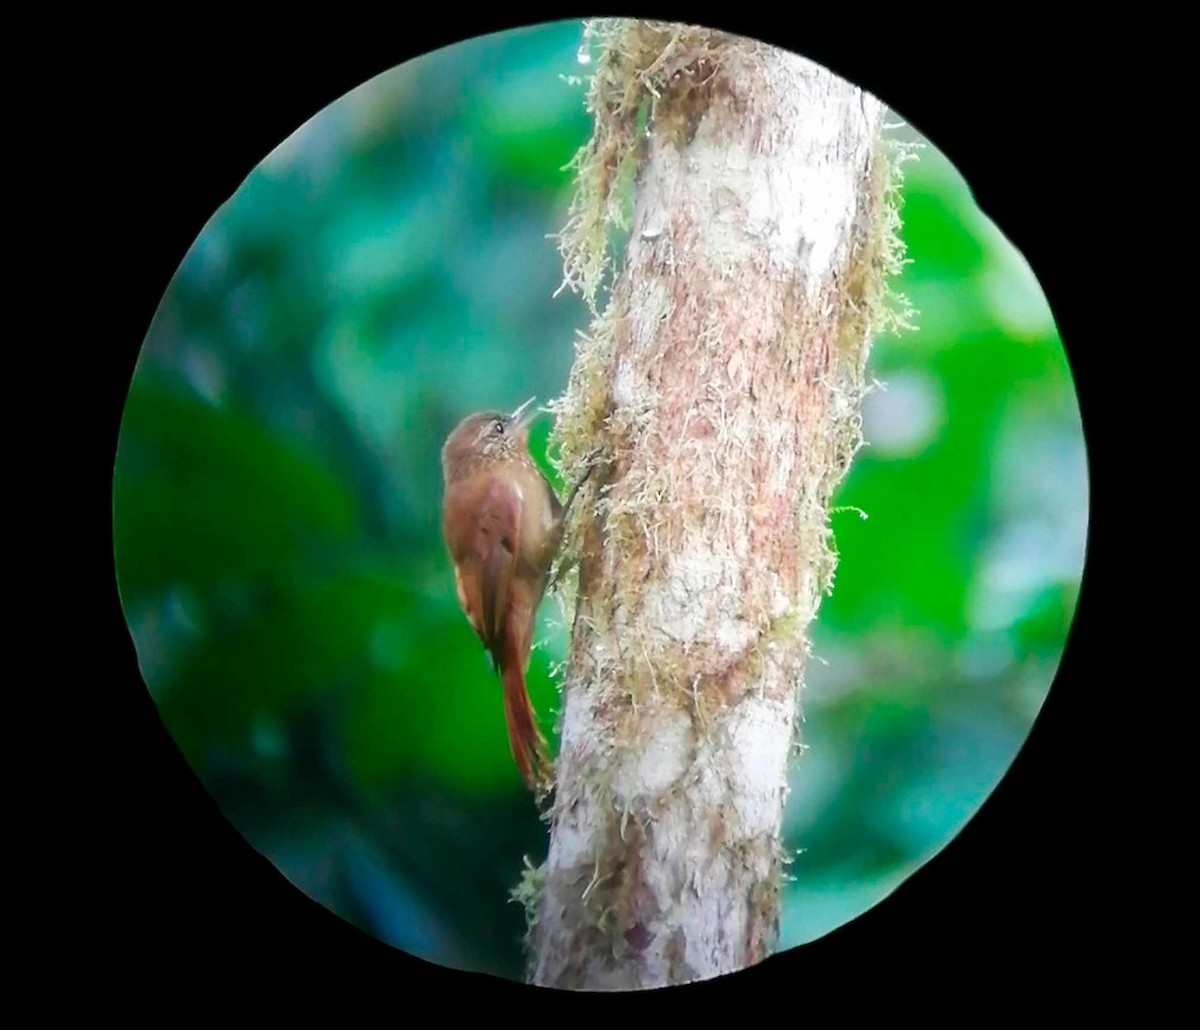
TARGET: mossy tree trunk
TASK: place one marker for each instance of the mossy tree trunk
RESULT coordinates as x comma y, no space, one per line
722,383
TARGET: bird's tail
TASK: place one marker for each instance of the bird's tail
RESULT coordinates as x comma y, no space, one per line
524,737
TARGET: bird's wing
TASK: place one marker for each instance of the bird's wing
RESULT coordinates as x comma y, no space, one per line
495,545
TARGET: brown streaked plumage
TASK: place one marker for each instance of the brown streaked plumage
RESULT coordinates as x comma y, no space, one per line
502,524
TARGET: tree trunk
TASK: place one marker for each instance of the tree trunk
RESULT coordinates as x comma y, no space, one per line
722,384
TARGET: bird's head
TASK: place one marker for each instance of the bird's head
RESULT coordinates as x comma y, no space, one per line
487,437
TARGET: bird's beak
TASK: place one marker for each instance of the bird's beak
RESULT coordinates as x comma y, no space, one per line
523,415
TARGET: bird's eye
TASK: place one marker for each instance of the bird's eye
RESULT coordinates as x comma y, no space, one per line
498,426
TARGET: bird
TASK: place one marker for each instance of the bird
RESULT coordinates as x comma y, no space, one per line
502,525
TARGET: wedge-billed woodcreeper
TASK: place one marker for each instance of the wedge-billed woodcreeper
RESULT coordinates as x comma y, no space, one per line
503,524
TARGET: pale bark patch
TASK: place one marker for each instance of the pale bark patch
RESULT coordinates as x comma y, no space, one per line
722,383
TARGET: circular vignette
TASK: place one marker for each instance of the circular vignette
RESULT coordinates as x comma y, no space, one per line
386,269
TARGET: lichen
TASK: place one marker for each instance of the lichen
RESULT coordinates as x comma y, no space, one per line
528,893
701,544
891,310
655,78
635,61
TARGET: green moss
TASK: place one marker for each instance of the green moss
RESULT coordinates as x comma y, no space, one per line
649,77
528,893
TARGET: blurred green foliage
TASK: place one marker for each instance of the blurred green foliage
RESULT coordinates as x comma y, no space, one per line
386,270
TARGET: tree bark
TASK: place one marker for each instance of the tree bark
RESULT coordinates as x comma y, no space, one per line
722,383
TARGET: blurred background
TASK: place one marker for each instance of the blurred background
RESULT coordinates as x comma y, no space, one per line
383,272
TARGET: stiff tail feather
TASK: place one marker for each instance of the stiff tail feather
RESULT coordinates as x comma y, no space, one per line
524,738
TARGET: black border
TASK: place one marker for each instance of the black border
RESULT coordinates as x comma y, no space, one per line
178,902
